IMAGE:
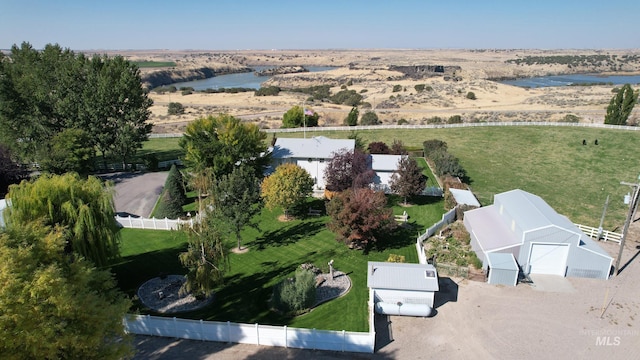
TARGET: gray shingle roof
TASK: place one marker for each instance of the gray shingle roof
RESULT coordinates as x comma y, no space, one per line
318,147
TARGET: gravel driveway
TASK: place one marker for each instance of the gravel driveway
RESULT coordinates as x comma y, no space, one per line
137,193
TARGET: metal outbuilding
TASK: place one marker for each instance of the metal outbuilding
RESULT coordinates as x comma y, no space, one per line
403,289
541,240
502,269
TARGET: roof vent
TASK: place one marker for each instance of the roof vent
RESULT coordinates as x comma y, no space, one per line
429,274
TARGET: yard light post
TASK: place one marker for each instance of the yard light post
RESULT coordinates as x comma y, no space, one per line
633,205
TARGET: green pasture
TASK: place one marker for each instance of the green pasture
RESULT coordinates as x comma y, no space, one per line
275,251
550,162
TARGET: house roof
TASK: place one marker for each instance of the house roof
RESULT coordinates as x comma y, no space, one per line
529,212
383,162
464,197
490,229
400,276
502,261
318,147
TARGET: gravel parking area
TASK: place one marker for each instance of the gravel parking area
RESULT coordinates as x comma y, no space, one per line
137,193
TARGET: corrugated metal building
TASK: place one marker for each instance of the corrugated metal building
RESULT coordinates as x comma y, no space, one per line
539,239
403,289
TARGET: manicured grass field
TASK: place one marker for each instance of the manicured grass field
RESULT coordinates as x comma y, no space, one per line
274,253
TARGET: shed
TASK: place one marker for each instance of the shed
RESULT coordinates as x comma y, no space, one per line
464,197
541,240
403,289
502,269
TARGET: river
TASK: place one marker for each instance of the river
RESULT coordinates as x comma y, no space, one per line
573,79
239,80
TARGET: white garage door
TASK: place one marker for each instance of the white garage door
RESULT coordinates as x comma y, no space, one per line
549,259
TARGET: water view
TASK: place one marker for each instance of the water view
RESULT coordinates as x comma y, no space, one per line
574,79
240,80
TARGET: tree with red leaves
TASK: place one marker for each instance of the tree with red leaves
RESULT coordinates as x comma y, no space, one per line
348,169
408,180
378,147
359,217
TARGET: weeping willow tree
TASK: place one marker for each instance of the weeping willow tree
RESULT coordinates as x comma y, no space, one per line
82,207
205,258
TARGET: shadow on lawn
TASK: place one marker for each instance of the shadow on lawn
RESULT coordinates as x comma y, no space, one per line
244,298
289,234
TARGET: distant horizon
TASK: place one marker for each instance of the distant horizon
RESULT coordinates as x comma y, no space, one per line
285,25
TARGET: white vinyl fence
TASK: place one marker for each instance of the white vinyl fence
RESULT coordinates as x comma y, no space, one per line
447,218
152,223
251,333
600,234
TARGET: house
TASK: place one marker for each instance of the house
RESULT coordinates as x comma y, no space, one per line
313,154
310,154
402,289
524,227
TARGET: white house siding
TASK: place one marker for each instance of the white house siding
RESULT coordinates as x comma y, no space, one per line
316,169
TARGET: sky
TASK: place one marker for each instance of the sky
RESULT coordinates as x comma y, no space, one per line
321,24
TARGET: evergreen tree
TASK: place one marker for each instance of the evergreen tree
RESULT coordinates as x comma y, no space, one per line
621,106
173,196
352,118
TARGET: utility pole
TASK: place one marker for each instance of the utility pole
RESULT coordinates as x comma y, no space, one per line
633,205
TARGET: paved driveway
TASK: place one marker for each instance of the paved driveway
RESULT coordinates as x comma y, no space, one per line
137,193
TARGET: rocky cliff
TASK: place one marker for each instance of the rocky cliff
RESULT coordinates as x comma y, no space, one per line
164,77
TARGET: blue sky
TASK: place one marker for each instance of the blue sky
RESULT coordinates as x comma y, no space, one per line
320,24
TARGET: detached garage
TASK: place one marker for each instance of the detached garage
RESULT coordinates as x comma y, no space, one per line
403,289
540,240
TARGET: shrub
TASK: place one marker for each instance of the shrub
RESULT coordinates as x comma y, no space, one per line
352,118
395,258
378,147
363,91
402,121
570,118
343,87
187,92
268,91
175,108
397,88
428,88
294,295
431,146
435,120
419,87
455,119
369,118
346,97
471,95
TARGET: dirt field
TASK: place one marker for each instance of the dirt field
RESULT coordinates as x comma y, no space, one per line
371,74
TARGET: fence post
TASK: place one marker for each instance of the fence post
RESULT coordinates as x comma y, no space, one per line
201,330
166,223
175,327
257,334
228,331
285,337
313,338
344,339
155,227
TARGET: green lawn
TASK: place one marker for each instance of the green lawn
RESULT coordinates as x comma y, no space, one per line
275,252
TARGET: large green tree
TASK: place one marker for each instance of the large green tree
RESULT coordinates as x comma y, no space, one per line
173,196
621,106
223,142
287,187
45,92
55,306
83,207
297,117
236,199
69,150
